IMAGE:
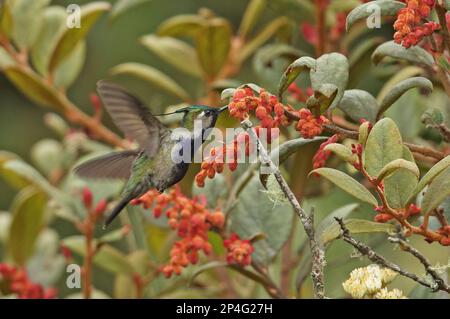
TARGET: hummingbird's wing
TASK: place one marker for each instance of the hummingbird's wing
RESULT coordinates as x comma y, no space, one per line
112,165
132,117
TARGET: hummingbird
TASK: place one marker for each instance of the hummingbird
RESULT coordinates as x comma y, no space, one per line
151,165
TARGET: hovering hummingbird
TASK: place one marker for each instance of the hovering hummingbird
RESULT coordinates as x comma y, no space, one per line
152,164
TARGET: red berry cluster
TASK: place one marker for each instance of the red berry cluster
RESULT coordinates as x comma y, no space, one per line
17,282
309,125
266,106
238,251
322,155
192,221
409,30
382,217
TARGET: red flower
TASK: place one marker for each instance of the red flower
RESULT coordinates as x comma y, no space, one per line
409,30
239,251
190,219
18,283
309,125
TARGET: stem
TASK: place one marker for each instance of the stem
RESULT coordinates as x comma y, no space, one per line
318,259
380,260
87,265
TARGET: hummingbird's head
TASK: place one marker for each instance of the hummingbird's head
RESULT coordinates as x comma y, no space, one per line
207,115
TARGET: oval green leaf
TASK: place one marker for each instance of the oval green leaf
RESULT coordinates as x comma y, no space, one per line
437,192
346,183
359,104
333,69
213,45
413,54
383,145
384,7
28,211
293,71
175,52
399,89
90,13
152,76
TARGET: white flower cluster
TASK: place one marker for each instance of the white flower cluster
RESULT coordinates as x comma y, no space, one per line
370,281
389,294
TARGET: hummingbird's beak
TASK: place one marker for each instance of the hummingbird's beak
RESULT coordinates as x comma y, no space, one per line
223,108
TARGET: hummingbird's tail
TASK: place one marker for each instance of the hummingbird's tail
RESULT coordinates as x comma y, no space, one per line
116,211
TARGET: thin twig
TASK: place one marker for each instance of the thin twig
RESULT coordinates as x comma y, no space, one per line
307,221
438,280
380,260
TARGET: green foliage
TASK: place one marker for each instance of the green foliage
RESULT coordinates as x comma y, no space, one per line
404,99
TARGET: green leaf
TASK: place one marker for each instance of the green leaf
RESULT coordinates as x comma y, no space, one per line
437,192
69,70
175,52
415,54
293,71
403,74
265,56
359,104
342,212
20,169
383,145
386,7
54,24
280,154
397,164
9,176
251,15
255,214
107,257
124,286
398,90
32,87
26,21
295,9
262,37
285,150
347,183
331,69
399,186
122,6
355,226
6,19
152,76
213,45
28,211
343,152
437,169
69,40
186,25
6,60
